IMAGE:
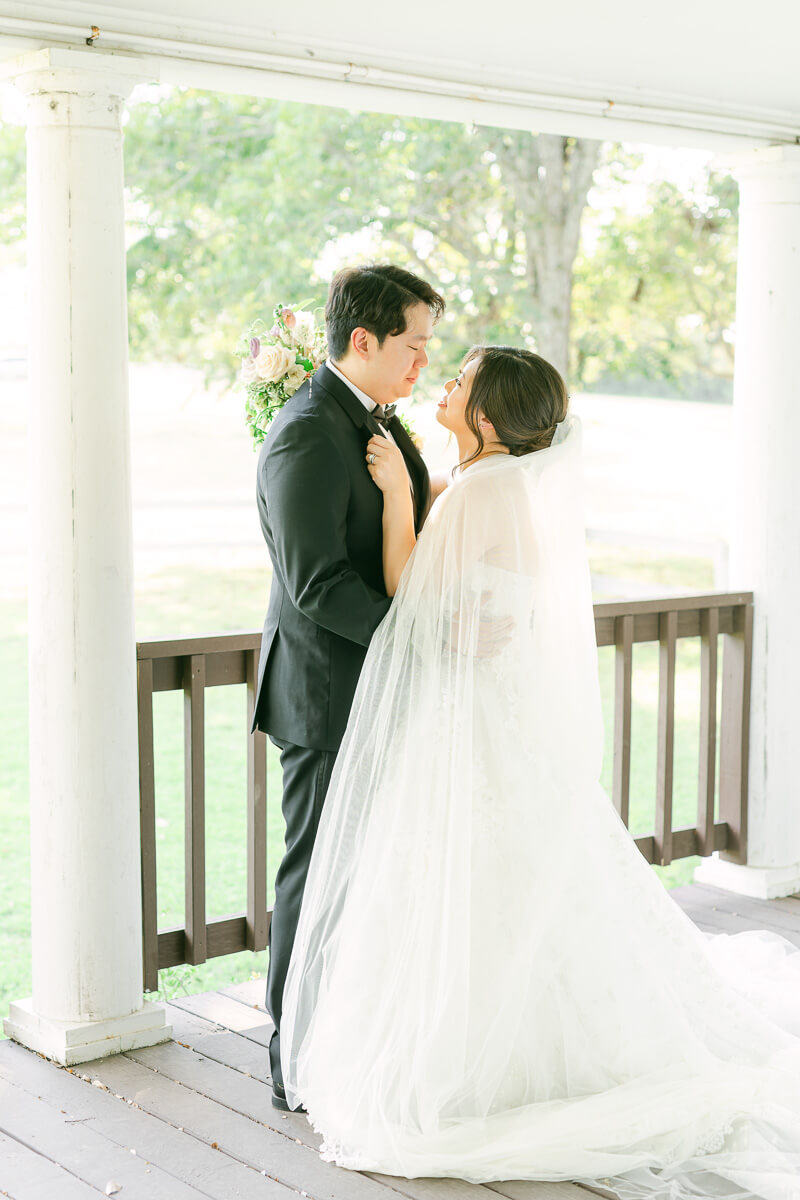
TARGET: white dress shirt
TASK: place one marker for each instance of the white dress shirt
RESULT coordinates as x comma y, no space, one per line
367,401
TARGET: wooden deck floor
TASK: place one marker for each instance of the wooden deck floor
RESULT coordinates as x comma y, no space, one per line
193,1118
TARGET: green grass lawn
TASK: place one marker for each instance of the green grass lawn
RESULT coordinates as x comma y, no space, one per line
191,601
689,572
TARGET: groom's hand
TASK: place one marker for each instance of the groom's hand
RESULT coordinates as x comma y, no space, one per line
494,633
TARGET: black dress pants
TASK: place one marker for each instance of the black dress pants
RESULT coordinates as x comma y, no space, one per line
306,775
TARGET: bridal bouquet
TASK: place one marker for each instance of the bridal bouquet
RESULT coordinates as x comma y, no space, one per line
275,362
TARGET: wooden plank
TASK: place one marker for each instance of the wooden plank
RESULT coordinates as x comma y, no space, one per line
227,935
623,667
222,1045
522,1189
228,651
81,1150
731,913
250,1098
718,918
250,991
250,1022
171,947
28,1175
735,735
239,1054
212,643
159,1143
222,668
247,1140
257,921
761,914
646,625
226,668
720,921
190,1026
236,1090
619,608
706,793
195,818
668,630
684,842
147,825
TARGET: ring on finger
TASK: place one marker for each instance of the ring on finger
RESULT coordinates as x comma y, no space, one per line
370,459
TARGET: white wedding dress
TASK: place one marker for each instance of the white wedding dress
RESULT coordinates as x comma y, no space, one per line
488,981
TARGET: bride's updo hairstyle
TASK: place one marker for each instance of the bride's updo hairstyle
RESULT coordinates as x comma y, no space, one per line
522,395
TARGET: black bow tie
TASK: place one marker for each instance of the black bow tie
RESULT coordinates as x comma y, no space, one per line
383,414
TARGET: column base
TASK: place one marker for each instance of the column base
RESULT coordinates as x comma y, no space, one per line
762,883
70,1042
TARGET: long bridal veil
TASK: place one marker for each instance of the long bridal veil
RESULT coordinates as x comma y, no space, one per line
488,981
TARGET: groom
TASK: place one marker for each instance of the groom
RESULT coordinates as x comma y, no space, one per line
321,516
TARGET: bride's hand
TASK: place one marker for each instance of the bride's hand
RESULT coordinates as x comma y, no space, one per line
386,465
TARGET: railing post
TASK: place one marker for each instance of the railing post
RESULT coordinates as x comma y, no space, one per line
623,668
667,635
194,682
257,919
147,820
709,634
735,734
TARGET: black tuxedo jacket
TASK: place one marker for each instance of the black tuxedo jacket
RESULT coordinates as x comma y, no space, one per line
321,516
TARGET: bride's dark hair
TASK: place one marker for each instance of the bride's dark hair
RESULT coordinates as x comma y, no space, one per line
522,395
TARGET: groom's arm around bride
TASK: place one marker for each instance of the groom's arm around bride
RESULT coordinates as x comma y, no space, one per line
321,517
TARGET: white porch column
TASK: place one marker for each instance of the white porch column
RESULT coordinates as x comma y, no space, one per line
84,806
765,538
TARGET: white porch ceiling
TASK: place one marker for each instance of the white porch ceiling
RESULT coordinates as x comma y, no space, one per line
684,72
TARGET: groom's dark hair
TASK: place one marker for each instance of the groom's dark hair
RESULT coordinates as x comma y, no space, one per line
376,298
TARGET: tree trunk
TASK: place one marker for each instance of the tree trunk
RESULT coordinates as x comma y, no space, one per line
549,177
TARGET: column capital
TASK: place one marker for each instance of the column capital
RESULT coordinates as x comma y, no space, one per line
771,173
78,72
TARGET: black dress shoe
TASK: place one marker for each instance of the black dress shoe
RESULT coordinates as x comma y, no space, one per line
279,1100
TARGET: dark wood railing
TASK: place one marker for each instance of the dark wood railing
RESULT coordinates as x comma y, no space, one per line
191,665
623,624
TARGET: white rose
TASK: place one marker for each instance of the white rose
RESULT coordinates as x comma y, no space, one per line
303,331
248,373
273,362
295,377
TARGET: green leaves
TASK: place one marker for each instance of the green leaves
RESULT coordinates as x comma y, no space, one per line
234,201
654,294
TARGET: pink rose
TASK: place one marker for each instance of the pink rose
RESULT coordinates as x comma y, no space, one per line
288,318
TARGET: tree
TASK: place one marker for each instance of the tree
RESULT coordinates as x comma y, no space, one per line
495,215
549,178
12,184
655,292
238,203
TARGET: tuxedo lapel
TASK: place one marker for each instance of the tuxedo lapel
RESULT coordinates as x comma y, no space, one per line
416,469
347,400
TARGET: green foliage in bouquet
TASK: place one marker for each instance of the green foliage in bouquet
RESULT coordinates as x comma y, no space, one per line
275,361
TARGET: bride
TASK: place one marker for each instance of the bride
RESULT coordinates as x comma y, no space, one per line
488,981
